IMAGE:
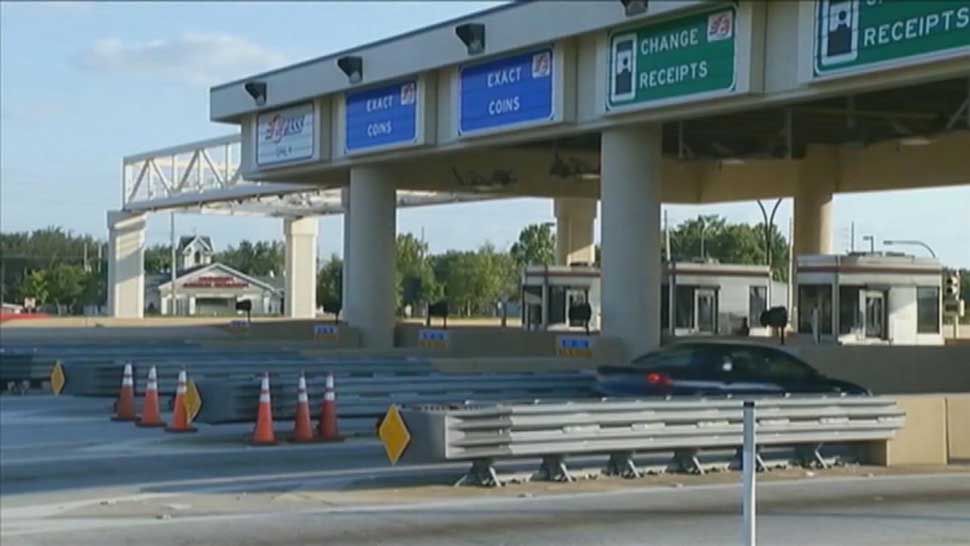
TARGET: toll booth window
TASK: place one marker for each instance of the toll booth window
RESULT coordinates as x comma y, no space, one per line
850,319
757,303
815,296
927,310
684,307
557,305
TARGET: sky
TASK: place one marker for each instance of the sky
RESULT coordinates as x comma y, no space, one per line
84,84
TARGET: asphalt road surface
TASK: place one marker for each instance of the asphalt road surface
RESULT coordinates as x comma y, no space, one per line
69,476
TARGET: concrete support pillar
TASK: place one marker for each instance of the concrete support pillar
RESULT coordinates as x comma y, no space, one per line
817,177
574,230
126,264
301,267
370,286
630,195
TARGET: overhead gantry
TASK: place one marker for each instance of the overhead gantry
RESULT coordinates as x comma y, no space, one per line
630,103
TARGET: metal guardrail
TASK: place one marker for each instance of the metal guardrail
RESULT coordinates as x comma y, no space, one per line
226,401
622,428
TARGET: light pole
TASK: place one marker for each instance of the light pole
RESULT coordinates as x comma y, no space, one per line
912,243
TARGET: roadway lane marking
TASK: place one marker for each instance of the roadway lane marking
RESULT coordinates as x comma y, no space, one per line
48,526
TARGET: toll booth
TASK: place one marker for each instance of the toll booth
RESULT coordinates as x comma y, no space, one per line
870,298
709,298
713,298
549,291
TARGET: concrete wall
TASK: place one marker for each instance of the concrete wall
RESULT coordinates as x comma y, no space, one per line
958,427
922,440
468,341
893,370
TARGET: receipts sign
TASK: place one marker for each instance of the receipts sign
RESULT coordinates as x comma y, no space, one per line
382,117
682,58
856,34
286,135
507,92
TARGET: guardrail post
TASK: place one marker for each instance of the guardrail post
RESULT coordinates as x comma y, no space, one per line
748,472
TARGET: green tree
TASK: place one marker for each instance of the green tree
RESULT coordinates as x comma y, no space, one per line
255,259
35,286
416,283
330,282
65,284
536,246
158,259
474,281
712,237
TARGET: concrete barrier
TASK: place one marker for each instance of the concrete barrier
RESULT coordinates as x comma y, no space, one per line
893,369
922,440
490,341
958,427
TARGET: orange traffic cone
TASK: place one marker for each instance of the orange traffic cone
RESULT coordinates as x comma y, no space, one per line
328,414
151,415
302,428
180,415
125,407
263,434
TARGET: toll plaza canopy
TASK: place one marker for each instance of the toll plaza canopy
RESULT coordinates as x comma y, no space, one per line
629,102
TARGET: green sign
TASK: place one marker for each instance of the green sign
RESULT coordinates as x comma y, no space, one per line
854,34
681,58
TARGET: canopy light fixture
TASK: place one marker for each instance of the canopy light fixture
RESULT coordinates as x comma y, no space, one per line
353,67
473,36
257,90
634,7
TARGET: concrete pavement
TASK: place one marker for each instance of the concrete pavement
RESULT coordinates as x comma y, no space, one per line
70,476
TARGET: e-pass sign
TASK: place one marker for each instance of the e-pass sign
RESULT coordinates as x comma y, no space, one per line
507,92
856,34
681,58
284,136
574,346
327,332
382,117
433,339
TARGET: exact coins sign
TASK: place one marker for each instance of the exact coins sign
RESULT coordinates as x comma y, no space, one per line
855,34
382,117
285,136
508,92
679,59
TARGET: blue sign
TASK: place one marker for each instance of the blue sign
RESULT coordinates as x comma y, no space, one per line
510,91
382,117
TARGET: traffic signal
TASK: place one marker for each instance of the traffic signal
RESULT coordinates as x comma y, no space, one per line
951,286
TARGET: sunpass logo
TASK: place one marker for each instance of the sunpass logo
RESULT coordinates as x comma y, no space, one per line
281,126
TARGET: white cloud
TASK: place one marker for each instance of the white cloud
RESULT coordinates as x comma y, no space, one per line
196,58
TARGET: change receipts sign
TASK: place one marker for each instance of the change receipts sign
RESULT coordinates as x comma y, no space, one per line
685,57
856,34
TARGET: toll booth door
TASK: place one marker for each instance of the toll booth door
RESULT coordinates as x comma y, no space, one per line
705,310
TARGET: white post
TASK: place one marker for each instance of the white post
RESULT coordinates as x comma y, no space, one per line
126,264
630,194
346,275
301,267
373,222
749,467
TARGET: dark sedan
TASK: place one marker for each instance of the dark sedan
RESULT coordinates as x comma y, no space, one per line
712,368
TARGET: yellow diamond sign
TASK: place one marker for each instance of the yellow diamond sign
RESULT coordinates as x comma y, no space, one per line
57,378
192,400
394,433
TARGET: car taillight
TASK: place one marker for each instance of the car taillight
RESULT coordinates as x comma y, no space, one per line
658,379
